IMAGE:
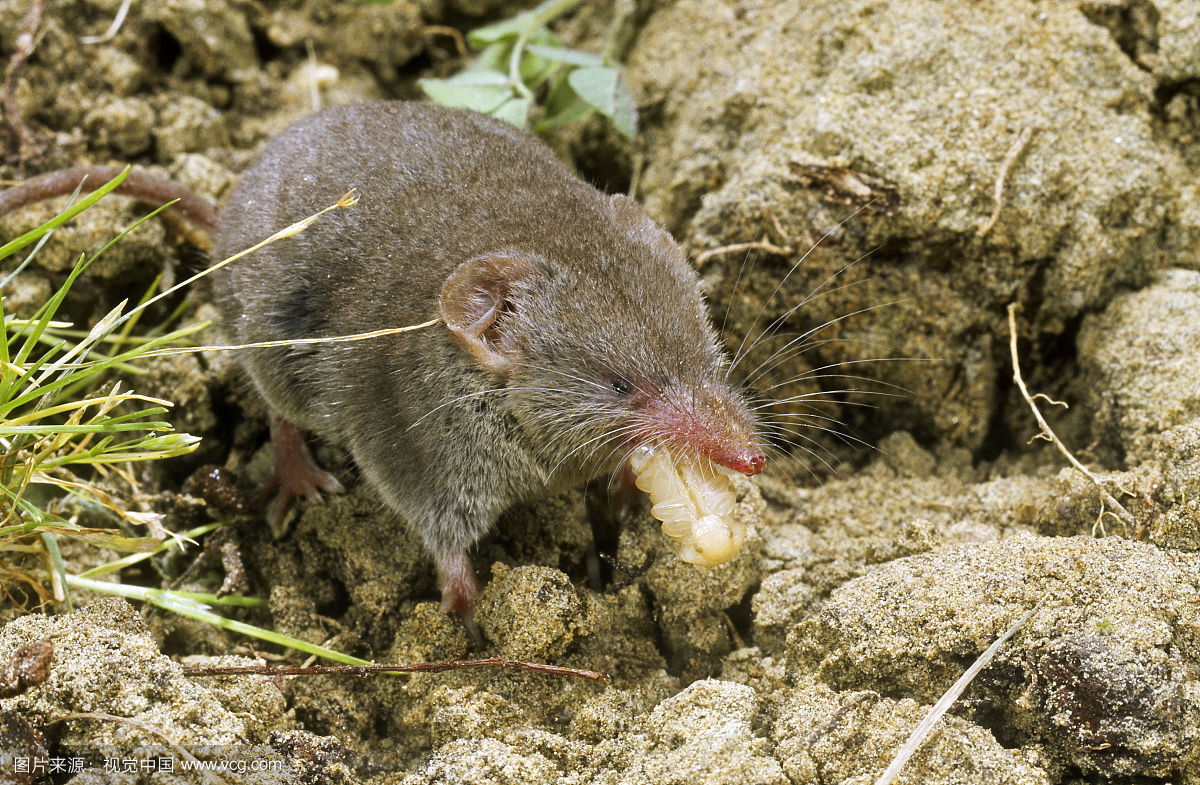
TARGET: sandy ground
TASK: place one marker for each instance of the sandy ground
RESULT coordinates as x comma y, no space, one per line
857,145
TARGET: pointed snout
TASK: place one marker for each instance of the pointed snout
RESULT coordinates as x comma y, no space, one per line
712,421
748,460
717,427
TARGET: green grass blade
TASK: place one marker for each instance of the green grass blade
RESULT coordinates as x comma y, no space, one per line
190,608
29,257
47,311
11,247
152,448
51,336
232,600
156,449
82,347
83,370
44,315
5,370
51,429
57,561
99,402
12,379
134,558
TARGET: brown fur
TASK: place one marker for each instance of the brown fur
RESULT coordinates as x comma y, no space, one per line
603,292
574,327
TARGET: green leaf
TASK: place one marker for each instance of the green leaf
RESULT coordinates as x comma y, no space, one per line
475,77
494,57
597,86
514,111
514,27
571,114
543,38
563,106
604,90
483,91
559,54
533,69
499,31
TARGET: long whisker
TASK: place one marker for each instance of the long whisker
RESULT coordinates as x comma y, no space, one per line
779,321
813,376
815,330
479,393
741,272
845,438
812,295
810,451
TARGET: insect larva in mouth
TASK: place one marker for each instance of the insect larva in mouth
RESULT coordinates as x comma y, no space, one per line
693,497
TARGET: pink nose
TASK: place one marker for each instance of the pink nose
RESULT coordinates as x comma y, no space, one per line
748,460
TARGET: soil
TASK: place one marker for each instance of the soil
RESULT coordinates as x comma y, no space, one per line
843,159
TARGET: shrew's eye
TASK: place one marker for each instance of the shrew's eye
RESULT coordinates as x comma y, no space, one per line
621,386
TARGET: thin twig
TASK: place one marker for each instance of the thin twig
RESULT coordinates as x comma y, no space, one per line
782,235
174,745
455,34
925,726
758,245
1121,513
998,190
416,667
8,99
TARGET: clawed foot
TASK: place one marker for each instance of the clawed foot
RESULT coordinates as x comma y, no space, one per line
296,474
456,577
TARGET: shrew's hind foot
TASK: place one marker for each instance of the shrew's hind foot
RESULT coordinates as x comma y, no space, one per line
456,577
296,474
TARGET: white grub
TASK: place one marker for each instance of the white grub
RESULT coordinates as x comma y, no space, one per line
693,497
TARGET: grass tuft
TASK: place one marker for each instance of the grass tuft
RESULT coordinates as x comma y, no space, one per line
70,431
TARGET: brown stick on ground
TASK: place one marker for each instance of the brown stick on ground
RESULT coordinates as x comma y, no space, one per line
137,185
8,99
998,189
757,245
416,667
456,35
1115,506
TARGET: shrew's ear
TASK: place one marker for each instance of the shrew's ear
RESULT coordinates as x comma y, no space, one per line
475,296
